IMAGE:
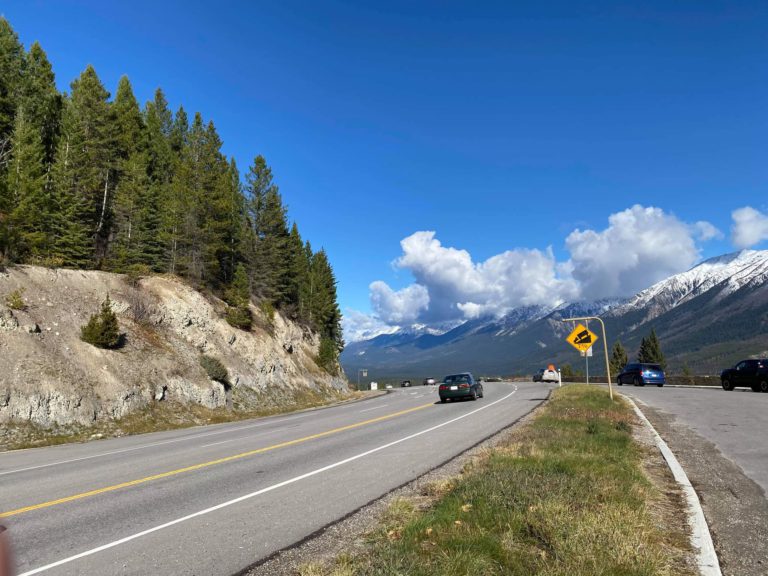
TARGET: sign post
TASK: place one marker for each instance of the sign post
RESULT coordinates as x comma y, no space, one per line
364,372
582,339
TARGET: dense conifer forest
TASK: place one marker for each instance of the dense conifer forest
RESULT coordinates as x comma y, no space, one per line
90,181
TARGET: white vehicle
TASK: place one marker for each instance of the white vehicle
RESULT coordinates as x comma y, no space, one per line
548,374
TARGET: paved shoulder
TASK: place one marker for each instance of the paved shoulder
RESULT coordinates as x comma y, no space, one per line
734,504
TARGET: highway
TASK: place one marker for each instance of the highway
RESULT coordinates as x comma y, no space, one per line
217,499
735,422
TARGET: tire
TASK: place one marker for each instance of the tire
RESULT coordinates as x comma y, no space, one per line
443,400
727,385
660,385
474,395
763,385
619,382
637,382
482,393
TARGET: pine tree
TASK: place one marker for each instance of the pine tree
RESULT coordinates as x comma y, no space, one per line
650,351
132,180
11,73
655,349
41,100
30,212
71,243
238,296
325,313
619,358
84,179
297,300
103,329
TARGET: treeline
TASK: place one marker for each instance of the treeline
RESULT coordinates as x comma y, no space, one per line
89,182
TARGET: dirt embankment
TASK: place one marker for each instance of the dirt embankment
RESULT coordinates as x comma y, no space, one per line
50,378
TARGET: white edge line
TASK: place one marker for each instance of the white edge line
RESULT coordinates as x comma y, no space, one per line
258,492
701,539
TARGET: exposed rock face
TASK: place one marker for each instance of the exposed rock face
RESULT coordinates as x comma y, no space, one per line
48,376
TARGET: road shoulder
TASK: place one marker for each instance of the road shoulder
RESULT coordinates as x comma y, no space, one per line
735,506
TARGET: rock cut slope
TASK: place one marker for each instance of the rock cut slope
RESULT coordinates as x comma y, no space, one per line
48,376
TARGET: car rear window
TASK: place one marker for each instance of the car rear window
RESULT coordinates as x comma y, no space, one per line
651,367
456,379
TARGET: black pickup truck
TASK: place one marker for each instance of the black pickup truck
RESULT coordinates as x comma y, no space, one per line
747,374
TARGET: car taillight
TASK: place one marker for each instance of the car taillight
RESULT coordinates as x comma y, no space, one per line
463,385
443,386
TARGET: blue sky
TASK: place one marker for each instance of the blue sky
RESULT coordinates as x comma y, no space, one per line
497,125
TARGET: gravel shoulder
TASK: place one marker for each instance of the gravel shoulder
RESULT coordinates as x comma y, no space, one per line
735,506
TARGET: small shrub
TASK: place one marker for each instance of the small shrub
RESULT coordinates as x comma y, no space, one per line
214,368
268,310
102,330
239,317
141,306
47,261
328,354
136,272
15,300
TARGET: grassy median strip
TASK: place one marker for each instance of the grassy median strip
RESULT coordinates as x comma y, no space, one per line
566,494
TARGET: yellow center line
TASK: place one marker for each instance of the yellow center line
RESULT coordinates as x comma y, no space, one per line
207,464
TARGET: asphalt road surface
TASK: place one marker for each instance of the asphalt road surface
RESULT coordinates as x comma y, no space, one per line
217,499
735,422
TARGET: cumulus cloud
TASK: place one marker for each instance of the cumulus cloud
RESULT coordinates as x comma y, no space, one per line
398,307
750,227
640,246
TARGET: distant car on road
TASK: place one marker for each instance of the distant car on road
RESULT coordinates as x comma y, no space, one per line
460,386
641,374
548,374
747,373
406,384
428,382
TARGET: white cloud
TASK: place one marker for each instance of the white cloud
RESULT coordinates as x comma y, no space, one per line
398,307
641,246
360,326
459,288
705,231
750,227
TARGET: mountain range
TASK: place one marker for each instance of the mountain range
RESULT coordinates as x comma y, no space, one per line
706,318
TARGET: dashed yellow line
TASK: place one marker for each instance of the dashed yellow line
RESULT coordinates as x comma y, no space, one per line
208,464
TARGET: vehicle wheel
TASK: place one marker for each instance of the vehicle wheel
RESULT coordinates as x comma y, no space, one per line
727,385
764,386
482,394
660,385
474,395
442,400
636,381
619,382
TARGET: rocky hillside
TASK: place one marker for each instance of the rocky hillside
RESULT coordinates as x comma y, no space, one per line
49,377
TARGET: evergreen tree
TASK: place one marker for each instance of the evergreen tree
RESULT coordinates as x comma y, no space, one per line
103,329
325,313
619,358
71,238
41,100
30,210
84,178
271,265
11,73
132,181
238,296
650,351
297,299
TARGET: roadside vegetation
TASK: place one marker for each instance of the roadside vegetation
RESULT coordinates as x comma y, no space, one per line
567,493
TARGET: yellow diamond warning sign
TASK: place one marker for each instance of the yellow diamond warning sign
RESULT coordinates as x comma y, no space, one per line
581,338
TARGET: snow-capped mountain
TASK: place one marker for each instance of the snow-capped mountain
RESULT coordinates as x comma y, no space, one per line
706,317
732,270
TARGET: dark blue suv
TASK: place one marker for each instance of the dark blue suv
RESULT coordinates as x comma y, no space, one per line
641,374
